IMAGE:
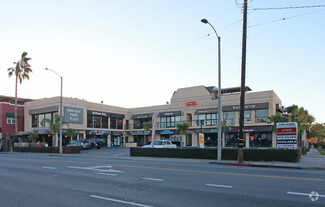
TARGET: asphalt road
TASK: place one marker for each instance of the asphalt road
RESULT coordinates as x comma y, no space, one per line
110,177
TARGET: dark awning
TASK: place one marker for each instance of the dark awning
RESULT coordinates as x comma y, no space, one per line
8,114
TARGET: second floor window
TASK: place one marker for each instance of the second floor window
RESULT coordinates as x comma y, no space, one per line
261,115
209,119
229,117
169,121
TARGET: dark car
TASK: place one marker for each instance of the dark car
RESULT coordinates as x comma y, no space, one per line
95,143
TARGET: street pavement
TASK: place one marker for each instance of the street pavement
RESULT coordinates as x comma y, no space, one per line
110,177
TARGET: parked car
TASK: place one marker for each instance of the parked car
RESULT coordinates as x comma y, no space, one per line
95,143
161,144
83,145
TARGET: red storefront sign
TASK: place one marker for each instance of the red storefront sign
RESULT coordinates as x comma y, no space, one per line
191,103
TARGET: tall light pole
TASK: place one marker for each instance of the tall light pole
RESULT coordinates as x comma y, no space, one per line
219,90
60,108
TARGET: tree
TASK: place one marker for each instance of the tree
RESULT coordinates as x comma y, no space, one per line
317,131
147,127
55,128
71,133
21,70
301,116
183,128
32,136
277,118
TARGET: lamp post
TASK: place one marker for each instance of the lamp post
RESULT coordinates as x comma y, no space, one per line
60,108
219,90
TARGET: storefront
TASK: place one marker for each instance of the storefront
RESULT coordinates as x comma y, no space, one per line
255,136
141,137
101,134
171,135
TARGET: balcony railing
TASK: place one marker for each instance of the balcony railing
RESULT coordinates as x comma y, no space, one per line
168,125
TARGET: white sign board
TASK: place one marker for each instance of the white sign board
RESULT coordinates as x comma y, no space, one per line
287,134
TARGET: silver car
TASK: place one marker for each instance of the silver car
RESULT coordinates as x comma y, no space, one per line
83,145
161,144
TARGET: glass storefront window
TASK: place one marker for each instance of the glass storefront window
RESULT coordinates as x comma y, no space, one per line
229,117
119,123
105,122
97,121
232,139
113,123
169,121
34,120
263,139
209,119
261,116
248,117
48,119
41,120
90,123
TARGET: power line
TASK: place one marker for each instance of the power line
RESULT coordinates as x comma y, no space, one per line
286,18
172,50
292,7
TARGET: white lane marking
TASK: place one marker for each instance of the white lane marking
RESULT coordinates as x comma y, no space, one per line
219,186
120,201
106,174
153,179
107,169
51,168
304,194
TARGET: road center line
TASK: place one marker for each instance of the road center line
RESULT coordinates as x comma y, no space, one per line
153,179
106,174
51,168
219,186
120,201
304,194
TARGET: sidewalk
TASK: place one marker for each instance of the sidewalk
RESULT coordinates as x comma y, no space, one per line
313,160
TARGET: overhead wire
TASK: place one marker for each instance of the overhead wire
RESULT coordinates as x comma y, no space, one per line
142,22
288,7
285,18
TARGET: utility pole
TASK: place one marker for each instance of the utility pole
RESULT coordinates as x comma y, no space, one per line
242,88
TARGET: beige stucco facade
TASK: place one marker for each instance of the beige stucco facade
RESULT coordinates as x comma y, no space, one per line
186,105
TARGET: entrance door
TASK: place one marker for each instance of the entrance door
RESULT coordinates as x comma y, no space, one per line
189,140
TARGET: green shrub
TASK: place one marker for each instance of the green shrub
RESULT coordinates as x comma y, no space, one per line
66,150
283,155
322,145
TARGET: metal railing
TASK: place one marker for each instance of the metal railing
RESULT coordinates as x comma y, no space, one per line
171,125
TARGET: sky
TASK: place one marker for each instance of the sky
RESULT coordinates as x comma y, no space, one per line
136,53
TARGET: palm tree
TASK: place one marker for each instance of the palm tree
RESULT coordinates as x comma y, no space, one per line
147,127
182,129
21,70
276,119
55,128
71,133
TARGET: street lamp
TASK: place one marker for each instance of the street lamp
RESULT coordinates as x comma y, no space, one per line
219,90
60,109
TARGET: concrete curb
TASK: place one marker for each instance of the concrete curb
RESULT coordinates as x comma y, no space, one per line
256,165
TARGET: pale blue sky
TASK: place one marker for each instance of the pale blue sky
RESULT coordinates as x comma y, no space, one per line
134,53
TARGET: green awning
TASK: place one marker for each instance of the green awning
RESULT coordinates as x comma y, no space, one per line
8,114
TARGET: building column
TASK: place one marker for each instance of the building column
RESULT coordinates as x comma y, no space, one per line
273,140
247,140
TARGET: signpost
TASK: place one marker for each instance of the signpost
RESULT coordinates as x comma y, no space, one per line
287,134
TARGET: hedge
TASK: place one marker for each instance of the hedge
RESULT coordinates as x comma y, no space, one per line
65,150
283,155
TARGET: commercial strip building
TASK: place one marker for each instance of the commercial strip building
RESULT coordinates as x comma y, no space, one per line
118,126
